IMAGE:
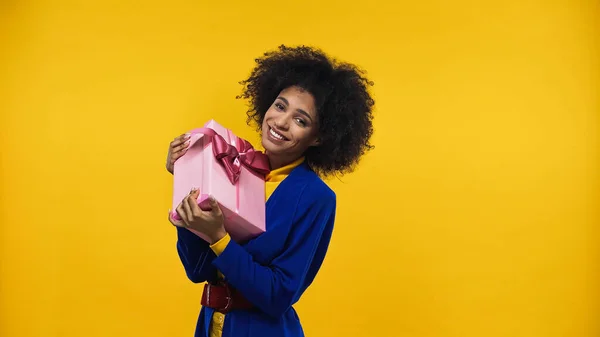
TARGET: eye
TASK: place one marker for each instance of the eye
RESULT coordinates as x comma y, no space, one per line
300,122
279,106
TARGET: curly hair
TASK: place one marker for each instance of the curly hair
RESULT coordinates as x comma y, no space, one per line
343,103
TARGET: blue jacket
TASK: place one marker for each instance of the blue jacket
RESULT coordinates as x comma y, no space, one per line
273,270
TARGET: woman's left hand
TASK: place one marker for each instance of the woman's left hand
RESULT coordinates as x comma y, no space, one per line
209,223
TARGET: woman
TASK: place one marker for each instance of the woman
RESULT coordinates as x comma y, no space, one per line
314,115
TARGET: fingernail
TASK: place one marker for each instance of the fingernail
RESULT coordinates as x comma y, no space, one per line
188,135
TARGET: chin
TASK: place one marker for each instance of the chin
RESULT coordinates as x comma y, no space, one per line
267,145
270,148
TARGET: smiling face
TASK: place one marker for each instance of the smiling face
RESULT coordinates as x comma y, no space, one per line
290,126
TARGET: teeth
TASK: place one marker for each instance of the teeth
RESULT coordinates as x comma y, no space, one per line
276,135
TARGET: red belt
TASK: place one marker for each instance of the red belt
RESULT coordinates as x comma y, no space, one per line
223,298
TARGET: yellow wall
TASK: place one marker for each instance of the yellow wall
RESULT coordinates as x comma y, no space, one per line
474,216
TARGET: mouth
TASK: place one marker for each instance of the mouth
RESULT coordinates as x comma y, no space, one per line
276,136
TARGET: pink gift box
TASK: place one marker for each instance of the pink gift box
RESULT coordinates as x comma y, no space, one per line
225,166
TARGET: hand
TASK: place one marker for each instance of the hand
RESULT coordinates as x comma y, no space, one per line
209,223
177,148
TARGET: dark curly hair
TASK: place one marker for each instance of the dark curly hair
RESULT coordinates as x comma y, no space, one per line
344,105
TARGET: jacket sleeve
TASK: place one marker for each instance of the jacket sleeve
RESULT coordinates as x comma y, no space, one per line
274,288
195,255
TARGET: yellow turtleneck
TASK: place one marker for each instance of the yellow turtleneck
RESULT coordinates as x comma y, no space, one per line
272,180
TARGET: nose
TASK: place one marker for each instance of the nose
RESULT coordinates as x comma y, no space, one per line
282,122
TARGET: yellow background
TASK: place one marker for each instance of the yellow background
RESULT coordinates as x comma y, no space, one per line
476,215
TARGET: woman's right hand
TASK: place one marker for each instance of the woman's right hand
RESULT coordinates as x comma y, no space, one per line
177,148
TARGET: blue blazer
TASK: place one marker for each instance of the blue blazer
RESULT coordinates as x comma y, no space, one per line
273,270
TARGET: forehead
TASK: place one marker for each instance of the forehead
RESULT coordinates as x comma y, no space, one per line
299,98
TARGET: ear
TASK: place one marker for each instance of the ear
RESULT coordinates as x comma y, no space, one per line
316,142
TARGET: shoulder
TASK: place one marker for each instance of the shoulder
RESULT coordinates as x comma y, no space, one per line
315,191
303,191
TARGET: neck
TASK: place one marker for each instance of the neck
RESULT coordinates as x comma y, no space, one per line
277,162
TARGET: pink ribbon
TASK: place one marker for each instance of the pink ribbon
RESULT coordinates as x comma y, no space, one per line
232,158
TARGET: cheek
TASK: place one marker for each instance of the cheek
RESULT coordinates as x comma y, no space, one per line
305,136
265,119
269,113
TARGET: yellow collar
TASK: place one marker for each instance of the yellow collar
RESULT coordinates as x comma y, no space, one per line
282,172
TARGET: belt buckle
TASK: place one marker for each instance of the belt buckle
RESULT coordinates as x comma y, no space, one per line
229,299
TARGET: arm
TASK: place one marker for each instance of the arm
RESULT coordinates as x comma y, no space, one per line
195,255
274,288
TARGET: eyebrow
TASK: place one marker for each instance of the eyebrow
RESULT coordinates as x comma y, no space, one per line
299,110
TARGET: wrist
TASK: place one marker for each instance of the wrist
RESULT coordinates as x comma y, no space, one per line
217,236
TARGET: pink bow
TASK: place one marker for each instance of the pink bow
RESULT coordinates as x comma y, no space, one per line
233,157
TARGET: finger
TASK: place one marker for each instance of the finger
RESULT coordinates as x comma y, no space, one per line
177,223
187,209
180,139
193,202
181,212
178,152
177,155
214,206
180,147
